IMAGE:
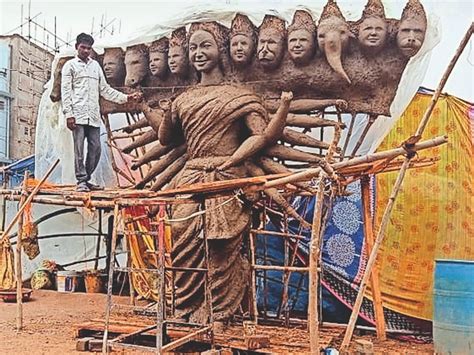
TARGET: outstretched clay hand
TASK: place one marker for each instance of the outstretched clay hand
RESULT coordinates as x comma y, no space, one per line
286,96
341,104
165,105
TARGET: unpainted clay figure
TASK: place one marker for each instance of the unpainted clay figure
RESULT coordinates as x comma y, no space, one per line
242,41
55,95
373,28
158,58
210,117
333,37
136,64
178,54
271,43
302,38
412,28
114,66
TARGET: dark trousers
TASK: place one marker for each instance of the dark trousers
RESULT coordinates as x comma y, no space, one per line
92,134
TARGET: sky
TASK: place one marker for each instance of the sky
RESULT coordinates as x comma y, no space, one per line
73,17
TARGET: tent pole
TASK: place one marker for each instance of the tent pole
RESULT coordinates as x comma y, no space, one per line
396,188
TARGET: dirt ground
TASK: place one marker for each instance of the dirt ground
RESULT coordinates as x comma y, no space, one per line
49,318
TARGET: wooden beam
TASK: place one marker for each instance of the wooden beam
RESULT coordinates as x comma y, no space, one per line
369,240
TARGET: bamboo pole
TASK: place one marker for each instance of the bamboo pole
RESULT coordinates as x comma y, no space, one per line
396,189
19,273
388,154
369,240
29,199
116,224
314,251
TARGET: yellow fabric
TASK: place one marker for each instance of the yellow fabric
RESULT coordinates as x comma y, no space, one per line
433,214
142,252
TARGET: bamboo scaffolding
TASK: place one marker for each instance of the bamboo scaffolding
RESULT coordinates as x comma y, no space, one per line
388,154
19,273
396,188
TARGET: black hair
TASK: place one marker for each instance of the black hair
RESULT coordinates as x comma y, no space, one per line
84,38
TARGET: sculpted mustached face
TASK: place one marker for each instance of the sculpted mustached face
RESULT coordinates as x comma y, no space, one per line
241,49
270,48
158,63
177,60
203,51
373,33
410,36
301,45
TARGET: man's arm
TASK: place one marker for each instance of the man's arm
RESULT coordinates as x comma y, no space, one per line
108,92
66,94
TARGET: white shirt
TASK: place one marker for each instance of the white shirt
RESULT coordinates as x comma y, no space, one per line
81,85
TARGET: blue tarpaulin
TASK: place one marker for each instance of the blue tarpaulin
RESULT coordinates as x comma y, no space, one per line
14,173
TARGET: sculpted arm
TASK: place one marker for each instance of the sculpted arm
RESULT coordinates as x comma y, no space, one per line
262,134
168,124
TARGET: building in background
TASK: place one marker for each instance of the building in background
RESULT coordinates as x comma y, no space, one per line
24,69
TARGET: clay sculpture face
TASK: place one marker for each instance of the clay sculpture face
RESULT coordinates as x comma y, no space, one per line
301,38
373,34
178,53
177,61
158,57
271,42
412,28
301,46
242,41
158,63
241,49
333,37
136,64
203,51
114,67
410,36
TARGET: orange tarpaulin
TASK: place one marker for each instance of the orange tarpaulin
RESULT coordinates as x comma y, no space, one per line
433,214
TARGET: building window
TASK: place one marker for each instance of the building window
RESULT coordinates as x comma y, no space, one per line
2,105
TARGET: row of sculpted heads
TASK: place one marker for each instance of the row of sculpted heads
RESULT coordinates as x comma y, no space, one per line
244,44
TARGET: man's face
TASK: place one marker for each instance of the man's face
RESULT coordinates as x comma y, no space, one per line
158,63
410,36
301,46
177,60
113,66
241,49
83,50
270,49
203,51
372,33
